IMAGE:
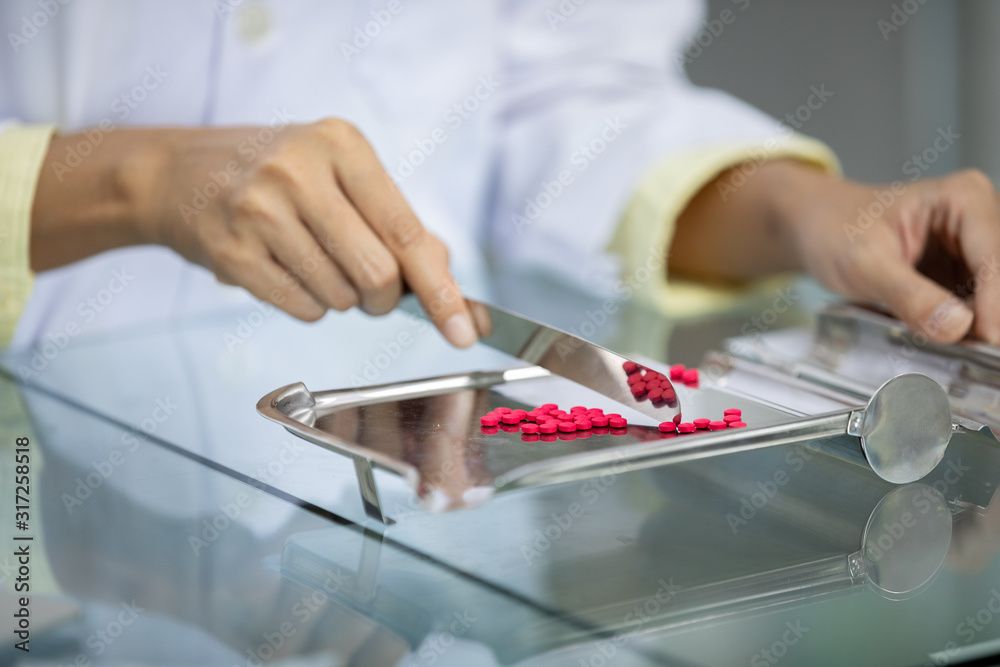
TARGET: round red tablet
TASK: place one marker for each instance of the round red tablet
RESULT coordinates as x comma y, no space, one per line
655,394
549,407
617,422
612,415
677,371
521,414
583,424
737,425
732,411
729,419
511,418
532,416
595,411
567,427
685,427
549,427
667,427
690,376
487,420
529,428
557,413
715,425
502,411
599,420
577,408
701,422
638,388
630,367
632,379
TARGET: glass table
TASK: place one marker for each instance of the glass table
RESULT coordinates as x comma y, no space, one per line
170,524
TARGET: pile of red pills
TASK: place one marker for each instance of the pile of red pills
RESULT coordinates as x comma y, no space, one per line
646,383
547,422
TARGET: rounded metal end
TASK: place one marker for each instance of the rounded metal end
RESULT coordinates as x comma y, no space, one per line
906,428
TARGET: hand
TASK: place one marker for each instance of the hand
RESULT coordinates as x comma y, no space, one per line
926,249
302,216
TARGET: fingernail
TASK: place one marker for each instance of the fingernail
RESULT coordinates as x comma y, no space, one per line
951,320
459,331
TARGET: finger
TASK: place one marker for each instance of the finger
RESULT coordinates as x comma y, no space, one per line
367,262
481,316
921,303
422,258
980,245
260,275
300,254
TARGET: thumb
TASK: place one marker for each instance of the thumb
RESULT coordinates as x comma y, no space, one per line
924,305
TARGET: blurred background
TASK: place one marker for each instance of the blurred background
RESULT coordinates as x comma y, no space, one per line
899,71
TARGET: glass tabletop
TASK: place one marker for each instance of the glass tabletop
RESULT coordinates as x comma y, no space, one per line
170,524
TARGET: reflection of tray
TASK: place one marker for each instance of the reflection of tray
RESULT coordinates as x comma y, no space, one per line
427,432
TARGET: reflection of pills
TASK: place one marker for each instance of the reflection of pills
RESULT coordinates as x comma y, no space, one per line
488,430
529,428
619,431
737,425
547,437
600,430
582,435
549,427
529,437
567,436
667,427
510,428
716,425
685,427
617,422
701,422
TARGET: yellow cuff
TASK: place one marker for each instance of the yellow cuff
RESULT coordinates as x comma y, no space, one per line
646,229
22,149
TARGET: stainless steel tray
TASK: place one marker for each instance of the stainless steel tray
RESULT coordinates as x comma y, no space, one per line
427,432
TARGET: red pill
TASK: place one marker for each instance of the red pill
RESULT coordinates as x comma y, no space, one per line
532,416
655,394
667,427
717,425
595,411
612,415
737,425
685,427
487,420
630,367
521,414
617,422
732,411
583,424
677,371
701,422
638,388
690,376
567,427
529,428
599,420
632,379
549,427
548,407
502,411
511,418
576,409
557,413
729,419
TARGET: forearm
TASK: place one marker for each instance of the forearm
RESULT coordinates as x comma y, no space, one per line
734,234
99,203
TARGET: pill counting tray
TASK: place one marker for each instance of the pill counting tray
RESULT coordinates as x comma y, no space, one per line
427,432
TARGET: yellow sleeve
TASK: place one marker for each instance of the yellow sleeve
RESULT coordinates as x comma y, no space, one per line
22,149
646,229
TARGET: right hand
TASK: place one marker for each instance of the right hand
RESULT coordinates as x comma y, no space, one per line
308,221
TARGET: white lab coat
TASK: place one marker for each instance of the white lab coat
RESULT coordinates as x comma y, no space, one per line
479,109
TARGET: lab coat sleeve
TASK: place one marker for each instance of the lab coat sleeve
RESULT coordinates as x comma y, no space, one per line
22,149
595,104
